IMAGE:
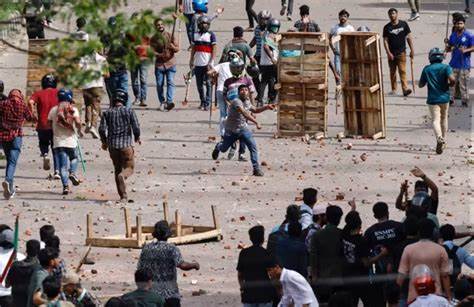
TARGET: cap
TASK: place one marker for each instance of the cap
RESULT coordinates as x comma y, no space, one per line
70,278
7,236
319,209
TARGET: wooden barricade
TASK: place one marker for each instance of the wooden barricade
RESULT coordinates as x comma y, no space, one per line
36,70
302,77
364,106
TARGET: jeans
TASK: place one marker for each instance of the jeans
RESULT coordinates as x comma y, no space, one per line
172,302
245,136
45,137
258,304
400,63
138,76
250,12
68,163
162,73
189,27
290,6
462,77
12,150
439,117
204,85
118,80
269,76
414,5
222,111
337,65
468,4
123,160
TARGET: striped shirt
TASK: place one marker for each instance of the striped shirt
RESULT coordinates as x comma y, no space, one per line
188,7
116,127
258,40
203,45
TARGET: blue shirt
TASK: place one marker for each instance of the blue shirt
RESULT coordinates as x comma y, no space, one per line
291,253
462,254
458,59
436,76
258,40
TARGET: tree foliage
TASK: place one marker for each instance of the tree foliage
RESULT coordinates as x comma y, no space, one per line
64,52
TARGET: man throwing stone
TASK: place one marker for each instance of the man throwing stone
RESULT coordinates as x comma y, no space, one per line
236,127
116,127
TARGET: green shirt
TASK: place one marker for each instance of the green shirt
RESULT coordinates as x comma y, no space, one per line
144,298
436,76
240,45
36,284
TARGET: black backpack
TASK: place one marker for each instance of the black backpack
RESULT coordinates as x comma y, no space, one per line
454,263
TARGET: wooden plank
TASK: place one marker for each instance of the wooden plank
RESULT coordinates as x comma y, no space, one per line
128,228
178,223
113,242
374,88
197,237
165,210
89,225
214,217
370,40
139,230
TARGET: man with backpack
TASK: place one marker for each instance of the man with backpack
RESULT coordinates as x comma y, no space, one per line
456,254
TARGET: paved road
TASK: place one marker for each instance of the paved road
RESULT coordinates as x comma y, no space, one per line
175,161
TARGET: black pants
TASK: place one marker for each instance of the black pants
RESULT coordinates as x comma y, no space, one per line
256,80
33,34
5,301
172,302
269,77
250,12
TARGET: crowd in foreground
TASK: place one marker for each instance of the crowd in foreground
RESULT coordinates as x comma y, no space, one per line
309,260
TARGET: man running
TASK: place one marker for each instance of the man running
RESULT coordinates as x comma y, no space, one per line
236,127
65,121
44,100
116,127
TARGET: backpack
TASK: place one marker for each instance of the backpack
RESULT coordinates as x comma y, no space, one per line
454,263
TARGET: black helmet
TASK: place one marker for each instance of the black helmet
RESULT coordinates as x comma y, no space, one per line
49,81
436,55
65,94
236,66
120,96
112,21
264,15
204,19
273,25
253,70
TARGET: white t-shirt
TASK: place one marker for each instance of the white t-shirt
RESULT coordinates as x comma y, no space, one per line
62,137
95,63
430,300
338,29
296,290
223,69
265,60
5,255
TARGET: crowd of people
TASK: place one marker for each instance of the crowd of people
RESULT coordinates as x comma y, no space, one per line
309,259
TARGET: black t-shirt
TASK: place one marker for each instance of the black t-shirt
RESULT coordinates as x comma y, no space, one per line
396,35
252,264
355,248
387,234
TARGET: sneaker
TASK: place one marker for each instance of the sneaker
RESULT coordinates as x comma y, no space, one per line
288,17
439,146
414,16
142,103
231,153
56,175
451,101
162,107
88,129
242,158
258,172
94,133
66,190
407,92
169,106
46,163
6,190
215,153
136,101
205,108
75,181
467,11
464,104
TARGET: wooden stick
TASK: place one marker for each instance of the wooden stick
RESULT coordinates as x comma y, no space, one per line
406,191
214,217
81,262
165,210
178,223
412,75
89,226
139,230
128,227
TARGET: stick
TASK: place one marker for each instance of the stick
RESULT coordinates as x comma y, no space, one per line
81,262
412,76
406,191
467,241
447,19
210,107
174,24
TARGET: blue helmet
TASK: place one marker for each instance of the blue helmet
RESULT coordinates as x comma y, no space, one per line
65,94
49,81
200,6
436,55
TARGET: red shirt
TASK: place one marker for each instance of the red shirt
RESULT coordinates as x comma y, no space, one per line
13,113
45,100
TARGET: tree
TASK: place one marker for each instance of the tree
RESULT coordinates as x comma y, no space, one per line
64,53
